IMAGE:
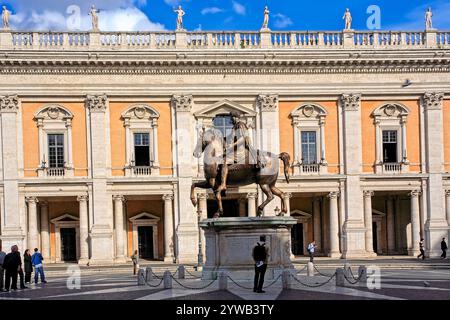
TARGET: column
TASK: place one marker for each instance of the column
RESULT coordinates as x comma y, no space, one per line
270,136
45,231
415,221
84,228
32,223
69,144
118,214
187,231
168,228
155,169
323,160
447,201
334,226
403,128
316,223
242,207
12,232
297,148
368,220
128,142
40,125
287,200
354,229
203,211
101,234
390,225
436,226
251,204
378,139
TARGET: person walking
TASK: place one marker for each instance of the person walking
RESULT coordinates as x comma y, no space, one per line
135,259
422,250
311,249
11,264
2,271
36,260
444,249
28,266
260,255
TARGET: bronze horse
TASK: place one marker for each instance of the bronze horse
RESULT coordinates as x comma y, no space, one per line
211,144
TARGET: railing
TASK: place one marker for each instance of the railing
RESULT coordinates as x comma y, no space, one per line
224,40
141,171
310,168
56,172
392,167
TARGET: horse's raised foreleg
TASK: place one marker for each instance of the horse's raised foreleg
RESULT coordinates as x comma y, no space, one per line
219,212
202,185
280,194
266,189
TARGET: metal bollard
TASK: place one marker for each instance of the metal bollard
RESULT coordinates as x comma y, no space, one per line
181,272
286,279
141,277
362,274
340,281
310,269
223,280
148,274
167,280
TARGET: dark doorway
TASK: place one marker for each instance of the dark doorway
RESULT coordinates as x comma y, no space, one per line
374,237
390,146
142,149
230,208
145,241
297,239
68,244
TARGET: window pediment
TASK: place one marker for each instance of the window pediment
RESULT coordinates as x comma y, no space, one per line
390,111
308,112
53,112
140,112
65,218
224,107
144,216
300,214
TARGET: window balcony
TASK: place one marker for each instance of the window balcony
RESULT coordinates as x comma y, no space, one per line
55,172
309,168
141,171
392,167
61,172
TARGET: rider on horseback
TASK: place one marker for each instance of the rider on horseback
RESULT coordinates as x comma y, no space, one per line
236,151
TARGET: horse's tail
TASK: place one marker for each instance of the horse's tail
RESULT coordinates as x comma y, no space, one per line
286,158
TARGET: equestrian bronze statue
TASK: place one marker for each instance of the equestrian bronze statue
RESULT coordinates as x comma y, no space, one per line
238,164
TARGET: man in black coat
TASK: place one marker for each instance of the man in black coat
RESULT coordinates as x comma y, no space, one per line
260,256
444,249
12,264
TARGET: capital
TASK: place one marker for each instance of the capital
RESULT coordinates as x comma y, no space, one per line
333,195
82,198
251,195
9,104
351,102
414,193
182,103
167,197
31,200
368,193
118,197
96,103
287,195
268,102
433,100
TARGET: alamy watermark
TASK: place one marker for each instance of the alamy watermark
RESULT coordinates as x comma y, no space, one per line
74,280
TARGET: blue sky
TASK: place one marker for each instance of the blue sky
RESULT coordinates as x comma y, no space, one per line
127,15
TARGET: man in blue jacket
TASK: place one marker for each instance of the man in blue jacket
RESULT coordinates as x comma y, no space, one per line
36,260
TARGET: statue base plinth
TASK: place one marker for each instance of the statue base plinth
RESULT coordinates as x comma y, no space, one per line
230,243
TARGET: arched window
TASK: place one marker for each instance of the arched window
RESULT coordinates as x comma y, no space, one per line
141,140
390,129
55,141
308,121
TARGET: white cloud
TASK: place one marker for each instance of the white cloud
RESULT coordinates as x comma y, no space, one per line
114,15
173,2
415,19
239,8
282,21
211,10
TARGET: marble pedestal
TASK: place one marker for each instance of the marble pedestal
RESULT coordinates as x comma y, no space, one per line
230,242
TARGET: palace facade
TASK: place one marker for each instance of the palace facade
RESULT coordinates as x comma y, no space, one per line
97,132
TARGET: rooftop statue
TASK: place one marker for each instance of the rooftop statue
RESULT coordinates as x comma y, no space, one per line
5,16
180,12
348,19
266,18
428,19
94,15
238,164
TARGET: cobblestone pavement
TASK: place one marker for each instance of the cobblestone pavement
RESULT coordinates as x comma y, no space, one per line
396,284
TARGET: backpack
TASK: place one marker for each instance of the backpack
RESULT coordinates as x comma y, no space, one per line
259,253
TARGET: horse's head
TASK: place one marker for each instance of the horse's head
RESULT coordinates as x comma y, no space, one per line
205,139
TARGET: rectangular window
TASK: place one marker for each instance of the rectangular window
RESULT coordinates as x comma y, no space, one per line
390,146
309,147
225,125
56,150
142,149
